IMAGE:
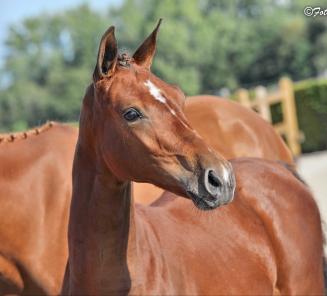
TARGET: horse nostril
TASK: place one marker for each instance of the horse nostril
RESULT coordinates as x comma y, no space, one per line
213,179
212,182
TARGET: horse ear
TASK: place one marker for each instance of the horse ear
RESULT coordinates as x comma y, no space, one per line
107,55
144,54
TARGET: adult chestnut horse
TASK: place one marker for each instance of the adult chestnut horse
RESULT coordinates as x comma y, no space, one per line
268,241
35,194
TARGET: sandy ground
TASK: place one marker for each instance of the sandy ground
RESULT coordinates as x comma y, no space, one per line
313,169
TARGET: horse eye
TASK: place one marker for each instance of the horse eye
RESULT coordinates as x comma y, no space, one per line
132,115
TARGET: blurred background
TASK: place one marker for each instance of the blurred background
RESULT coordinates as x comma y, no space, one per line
48,52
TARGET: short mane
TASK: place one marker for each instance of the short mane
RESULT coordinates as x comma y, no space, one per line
12,137
124,60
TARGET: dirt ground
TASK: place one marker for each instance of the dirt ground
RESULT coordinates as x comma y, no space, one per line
313,169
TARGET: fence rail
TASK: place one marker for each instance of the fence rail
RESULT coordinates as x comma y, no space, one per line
262,102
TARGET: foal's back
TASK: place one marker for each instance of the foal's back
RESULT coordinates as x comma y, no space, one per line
268,240
35,189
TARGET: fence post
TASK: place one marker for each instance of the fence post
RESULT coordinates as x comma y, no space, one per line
243,97
289,114
261,97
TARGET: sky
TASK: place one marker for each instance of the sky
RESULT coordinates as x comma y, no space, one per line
14,11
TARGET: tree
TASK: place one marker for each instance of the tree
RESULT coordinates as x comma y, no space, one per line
49,64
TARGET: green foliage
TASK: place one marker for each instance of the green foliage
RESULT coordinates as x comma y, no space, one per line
311,103
204,45
49,65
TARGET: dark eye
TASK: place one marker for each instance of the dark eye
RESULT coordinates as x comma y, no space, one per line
132,114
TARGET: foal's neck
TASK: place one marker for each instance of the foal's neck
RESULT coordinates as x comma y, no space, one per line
101,227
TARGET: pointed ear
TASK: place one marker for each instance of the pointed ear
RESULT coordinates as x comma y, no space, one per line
107,55
144,54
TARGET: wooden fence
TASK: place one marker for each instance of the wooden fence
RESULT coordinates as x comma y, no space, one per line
262,102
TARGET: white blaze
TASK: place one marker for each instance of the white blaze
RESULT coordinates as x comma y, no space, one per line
155,92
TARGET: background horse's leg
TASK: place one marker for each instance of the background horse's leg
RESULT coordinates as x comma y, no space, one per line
11,281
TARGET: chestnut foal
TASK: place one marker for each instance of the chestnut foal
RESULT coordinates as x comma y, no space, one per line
268,241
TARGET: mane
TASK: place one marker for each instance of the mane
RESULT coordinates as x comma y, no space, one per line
292,169
124,60
12,137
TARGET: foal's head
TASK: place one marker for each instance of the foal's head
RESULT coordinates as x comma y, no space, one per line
141,132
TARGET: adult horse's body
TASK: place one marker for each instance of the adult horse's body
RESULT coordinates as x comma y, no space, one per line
35,193
268,241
